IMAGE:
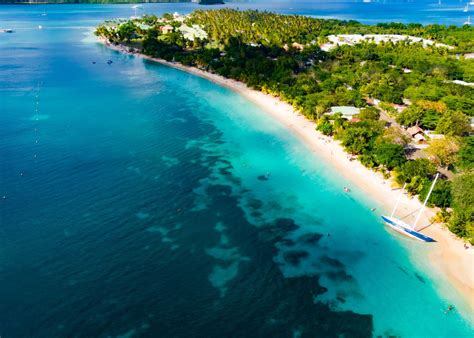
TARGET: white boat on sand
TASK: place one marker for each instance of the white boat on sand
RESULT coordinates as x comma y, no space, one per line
404,228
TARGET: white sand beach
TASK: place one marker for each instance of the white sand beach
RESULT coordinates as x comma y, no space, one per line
447,256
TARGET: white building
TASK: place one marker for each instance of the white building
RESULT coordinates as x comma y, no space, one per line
348,112
353,39
166,29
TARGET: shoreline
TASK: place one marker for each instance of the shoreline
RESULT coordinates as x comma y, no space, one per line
447,257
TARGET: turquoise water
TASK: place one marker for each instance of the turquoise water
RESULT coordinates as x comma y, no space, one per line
143,201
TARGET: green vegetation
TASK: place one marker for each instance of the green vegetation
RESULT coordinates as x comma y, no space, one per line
276,30
360,137
415,174
462,220
281,55
444,152
390,155
465,160
325,126
441,195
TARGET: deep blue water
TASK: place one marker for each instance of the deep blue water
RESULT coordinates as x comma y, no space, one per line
143,201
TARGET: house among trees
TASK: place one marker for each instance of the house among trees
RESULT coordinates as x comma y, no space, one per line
432,135
295,45
417,134
298,46
372,101
166,29
398,107
348,112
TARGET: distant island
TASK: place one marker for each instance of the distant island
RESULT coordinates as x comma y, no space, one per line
38,2
398,97
211,2
201,2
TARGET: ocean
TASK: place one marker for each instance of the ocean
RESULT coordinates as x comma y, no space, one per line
141,201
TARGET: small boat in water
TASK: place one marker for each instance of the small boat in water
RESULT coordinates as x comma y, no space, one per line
6,30
404,228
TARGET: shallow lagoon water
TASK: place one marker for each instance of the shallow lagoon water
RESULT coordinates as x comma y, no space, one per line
143,201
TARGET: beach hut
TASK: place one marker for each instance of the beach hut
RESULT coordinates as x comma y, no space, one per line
417,134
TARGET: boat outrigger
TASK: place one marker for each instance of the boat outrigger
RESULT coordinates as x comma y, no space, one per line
405,229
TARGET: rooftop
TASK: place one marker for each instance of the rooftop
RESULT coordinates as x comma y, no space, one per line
414,130
345,110
352,39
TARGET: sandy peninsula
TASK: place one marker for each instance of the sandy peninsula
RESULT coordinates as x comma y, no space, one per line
447,257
